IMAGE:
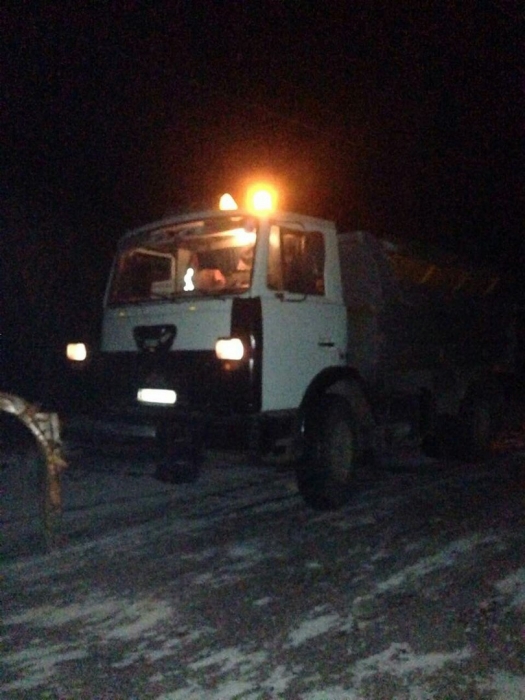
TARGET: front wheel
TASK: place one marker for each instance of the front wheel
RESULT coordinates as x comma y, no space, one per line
325,476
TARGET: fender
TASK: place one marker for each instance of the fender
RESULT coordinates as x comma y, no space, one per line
344,381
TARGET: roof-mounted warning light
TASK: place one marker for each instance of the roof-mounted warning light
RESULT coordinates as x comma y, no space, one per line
260,199
227,202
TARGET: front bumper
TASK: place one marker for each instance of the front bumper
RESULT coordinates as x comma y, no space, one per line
110,428
212,401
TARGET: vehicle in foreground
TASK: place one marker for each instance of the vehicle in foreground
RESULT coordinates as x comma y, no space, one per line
279,333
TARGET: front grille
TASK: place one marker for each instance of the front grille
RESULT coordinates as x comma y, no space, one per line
198,378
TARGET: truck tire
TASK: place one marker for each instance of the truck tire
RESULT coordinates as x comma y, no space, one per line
325,476
469,434
480,420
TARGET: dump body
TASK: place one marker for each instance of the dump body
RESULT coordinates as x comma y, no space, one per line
413,321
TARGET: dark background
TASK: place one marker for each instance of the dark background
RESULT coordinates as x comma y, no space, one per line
403,118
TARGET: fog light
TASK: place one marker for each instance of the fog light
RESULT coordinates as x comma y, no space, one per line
166,397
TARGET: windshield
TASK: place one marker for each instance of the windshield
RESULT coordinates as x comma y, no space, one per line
213,256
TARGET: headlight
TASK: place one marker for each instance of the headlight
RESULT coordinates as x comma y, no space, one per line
76,352
229,349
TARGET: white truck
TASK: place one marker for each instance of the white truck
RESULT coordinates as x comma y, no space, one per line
278,332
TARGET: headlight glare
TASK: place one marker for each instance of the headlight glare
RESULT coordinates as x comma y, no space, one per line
76,352
229,349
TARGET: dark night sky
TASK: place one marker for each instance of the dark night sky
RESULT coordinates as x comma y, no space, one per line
405,118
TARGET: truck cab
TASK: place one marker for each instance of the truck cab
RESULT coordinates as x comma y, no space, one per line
249,307
213,322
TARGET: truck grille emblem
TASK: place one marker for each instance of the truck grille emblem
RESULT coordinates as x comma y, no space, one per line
154,338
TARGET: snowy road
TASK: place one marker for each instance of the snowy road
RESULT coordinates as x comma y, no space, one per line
232,588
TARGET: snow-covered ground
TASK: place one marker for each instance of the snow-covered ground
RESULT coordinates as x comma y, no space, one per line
232,588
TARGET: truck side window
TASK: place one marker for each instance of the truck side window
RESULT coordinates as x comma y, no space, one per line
296,261
274,277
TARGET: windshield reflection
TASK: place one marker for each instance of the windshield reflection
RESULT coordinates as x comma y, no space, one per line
202,258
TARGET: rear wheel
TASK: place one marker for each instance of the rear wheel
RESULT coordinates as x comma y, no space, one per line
325,476
481,419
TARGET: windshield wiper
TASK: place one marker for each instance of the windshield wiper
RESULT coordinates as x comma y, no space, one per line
168,296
